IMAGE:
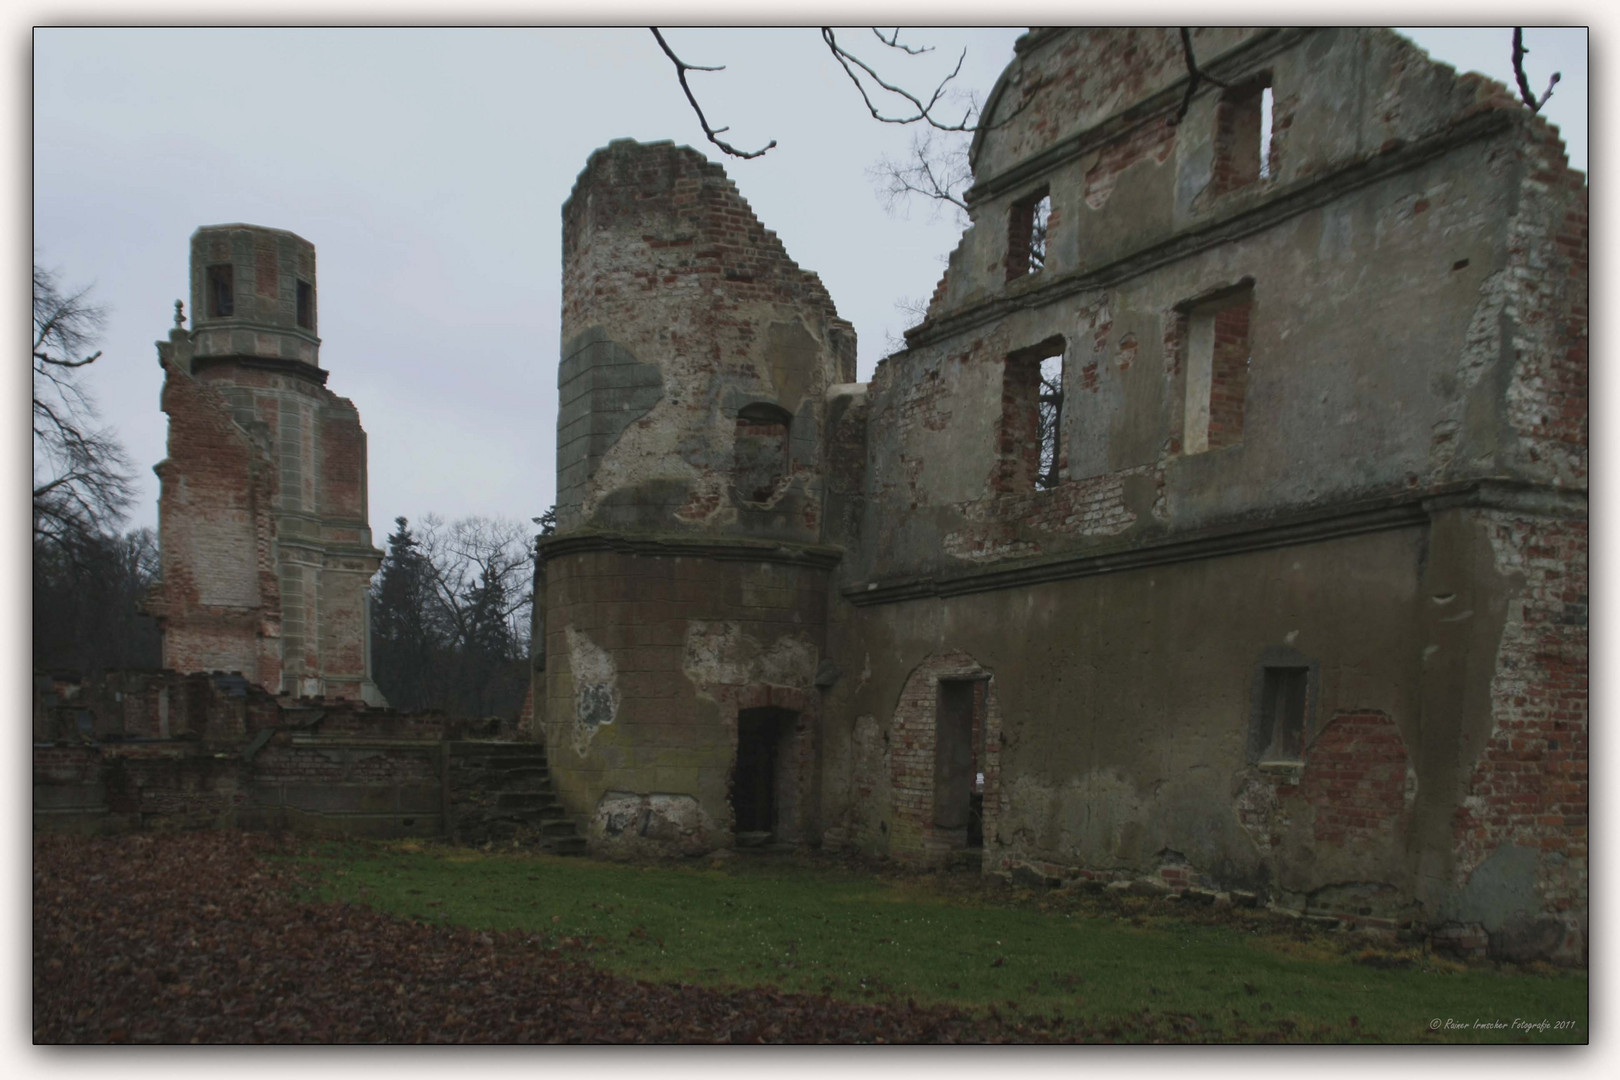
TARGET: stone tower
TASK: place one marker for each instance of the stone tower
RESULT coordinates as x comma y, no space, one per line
263,523
681,607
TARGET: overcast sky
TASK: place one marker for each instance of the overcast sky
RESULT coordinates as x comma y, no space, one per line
429,167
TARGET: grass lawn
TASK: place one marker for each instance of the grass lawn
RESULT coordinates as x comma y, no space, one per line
1130,969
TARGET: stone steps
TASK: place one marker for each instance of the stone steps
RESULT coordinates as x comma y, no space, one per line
502,793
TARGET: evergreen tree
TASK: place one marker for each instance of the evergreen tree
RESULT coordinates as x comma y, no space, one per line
406,642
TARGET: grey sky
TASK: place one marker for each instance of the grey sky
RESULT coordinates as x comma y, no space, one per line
429,168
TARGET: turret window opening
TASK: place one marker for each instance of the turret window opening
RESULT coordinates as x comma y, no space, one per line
221,291
306,305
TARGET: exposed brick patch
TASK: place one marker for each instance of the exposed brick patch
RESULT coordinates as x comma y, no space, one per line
1229,375
1547,399
1529,785
1355,780
1067,87
219,603
1015,524
912,834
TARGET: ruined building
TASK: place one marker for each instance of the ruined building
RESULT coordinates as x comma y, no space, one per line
262,520
1222,526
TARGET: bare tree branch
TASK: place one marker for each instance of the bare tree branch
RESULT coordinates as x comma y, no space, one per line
935,171
924,109
893,42
681,68
1194,76
1519,52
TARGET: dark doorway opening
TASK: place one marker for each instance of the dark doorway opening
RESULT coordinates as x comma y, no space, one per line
758,791
959,761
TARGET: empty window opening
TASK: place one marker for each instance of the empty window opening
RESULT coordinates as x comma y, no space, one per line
1265,134
1218,355
1051,420
761,786
761,451
306,305
1031,446
1282,713
1244,151
221,290
959,761
1026,234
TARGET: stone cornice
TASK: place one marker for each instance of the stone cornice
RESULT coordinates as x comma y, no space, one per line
231,322
266,363
1402,511
663,545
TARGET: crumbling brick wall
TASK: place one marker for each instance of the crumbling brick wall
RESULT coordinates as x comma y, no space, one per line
266,546
680,309
1528,788
166,751
219,603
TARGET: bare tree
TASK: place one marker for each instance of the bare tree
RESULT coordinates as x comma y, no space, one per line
87,603
915,311
450,616
888,102
81,475
1525,94
479,568
937,169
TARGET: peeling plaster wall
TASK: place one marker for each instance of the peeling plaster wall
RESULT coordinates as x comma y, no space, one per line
688,578
1400,505
263,523
1384,323
649,659
1121,715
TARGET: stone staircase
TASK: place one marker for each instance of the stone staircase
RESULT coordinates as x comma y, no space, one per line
501,793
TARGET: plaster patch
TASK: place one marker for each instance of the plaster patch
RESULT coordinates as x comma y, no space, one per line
627,823
721,653
596,688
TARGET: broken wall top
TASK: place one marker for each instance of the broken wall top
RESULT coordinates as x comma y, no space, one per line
1401,266
1093,101
692,347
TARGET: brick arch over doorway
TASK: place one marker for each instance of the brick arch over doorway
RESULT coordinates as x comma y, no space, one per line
945,761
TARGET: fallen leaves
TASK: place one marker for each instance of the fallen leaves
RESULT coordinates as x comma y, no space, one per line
198,937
